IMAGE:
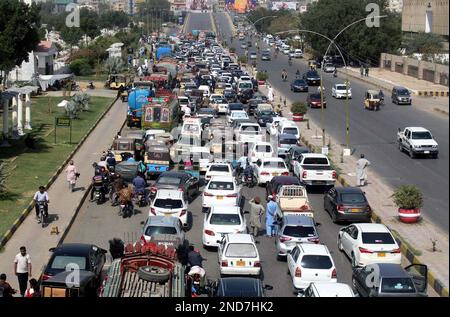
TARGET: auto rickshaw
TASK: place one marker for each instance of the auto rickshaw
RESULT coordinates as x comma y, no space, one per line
372,100
116,81
156,157
123,148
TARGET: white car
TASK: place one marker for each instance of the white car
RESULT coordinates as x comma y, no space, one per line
261,150
238,255
237,115
328,290
221,190
369,243
298,53
170,203
221,220
289,127
266,168
273,127
310,263
340,91
218,169
248,132
329,68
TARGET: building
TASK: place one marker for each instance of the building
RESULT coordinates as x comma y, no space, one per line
120,5
177,5
40,61
429,16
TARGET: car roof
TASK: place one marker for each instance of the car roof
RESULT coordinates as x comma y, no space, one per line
348,190
330,289
371,227
173,174
240,286
301,220
287,136
300,148
74,248
225,209
317,249
262,143
416,129
390,270
314,155
288,123
400,87
240,238
272,159
169,193
285,180
162,221
222,179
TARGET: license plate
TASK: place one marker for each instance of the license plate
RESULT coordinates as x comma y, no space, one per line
426,152
219,197
381,254
275,174
320,182
240,263
354,210
167,214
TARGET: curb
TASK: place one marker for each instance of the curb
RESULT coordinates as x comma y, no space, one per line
433,93
441,111
435,283
7,236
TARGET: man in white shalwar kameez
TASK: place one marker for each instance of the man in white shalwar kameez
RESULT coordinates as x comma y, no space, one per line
361,171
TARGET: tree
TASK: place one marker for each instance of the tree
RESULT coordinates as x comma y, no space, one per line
111,19
423,43
19,33
71,36
358,42
89,22
286,21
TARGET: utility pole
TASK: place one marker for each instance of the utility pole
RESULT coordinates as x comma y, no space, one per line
322,114
347,113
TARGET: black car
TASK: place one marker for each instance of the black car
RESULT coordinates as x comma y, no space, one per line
176,180
85,257
235,106
299,85
312,78
390,280
230,95
293,154
347,204
207,113
264,117
246,95
265,57
238,287
274,185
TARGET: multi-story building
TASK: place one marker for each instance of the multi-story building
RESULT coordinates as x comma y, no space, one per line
177,5
429,16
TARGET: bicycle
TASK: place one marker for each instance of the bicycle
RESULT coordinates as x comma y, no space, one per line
43,214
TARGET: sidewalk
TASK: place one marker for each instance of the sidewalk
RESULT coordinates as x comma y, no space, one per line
418,235
92,92
386,80
63,203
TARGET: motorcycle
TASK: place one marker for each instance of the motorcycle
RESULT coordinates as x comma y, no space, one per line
91,85
196,278
99,196
335,74
290,62
249,180
140,199
43,215
284,77
126,210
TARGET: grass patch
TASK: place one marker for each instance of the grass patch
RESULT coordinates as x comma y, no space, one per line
93,77
28,169
406,243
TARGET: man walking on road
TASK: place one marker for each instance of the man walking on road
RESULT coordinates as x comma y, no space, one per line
271,211
22,269
361,171
256,214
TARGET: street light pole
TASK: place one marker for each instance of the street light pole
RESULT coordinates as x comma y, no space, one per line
322,114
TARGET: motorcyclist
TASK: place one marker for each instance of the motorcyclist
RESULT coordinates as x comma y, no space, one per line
125,196
41,196
297,74
98,183
248,171
335,73
284,75
117,185
139,186
110,160
381,95
194,257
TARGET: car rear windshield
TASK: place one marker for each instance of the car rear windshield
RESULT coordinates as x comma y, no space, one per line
169,180
353,198
250,128
61,261
341,87
290,131
239,115
403,92
288,141
377,238
421,135
153,230
168,203
241,250
225,219
264,148
221,185
397,285
322,262
219,168
299,231
316,161
271,164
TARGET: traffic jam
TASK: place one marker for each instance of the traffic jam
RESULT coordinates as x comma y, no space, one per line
200,132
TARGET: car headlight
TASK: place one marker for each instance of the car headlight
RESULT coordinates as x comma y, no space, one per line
435,146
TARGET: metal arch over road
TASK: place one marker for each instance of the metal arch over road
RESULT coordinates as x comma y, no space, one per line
374,135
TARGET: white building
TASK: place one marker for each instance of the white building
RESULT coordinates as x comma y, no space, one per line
395,5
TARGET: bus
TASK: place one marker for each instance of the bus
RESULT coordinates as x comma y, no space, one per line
162,112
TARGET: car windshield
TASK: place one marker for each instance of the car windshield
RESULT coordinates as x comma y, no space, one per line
288,141
239,115
299,82
219,168
169,180
225,219
421,136
403,92
272,164
241,250
315,161
245,85
312,74
299,231
267,113
353,198
168,203
293,131
250,128
377,238
215,185
315,96
60,262
264,148
341,87
321,262
397,285
153,230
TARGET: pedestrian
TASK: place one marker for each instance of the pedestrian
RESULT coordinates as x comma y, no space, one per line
6,291
22,269
367,71
361,69
33,291
72,175
256,213
270,94
361,171
271,210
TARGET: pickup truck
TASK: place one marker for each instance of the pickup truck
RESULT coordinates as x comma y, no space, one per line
293,199
417,140
314,169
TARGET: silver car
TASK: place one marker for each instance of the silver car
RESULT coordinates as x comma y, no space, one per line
163,230
293,229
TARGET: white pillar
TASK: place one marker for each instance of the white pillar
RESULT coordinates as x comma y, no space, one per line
28,111
5,124
20,116
14,117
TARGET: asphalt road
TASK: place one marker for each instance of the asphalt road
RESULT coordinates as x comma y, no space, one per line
373,133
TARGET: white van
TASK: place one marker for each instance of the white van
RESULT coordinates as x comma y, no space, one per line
244,85
192,126
206,90
289,127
